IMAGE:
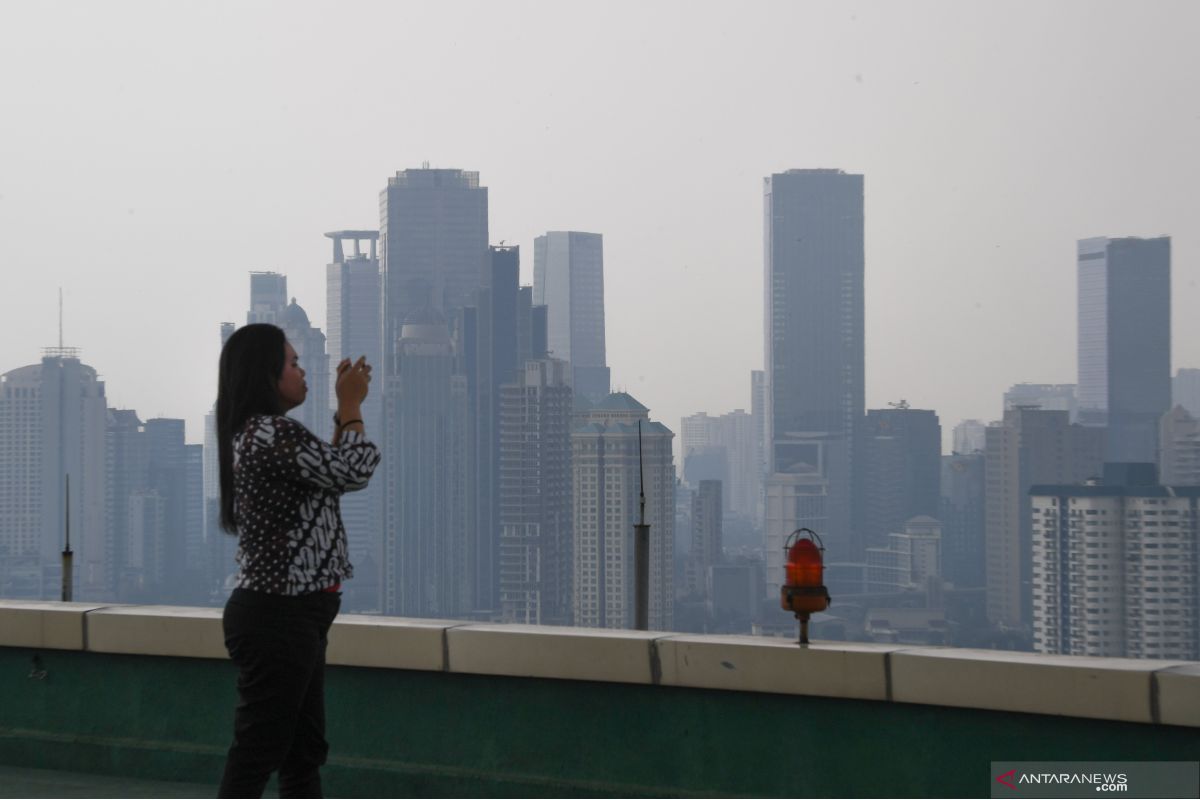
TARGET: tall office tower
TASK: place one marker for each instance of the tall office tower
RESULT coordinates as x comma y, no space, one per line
158,554
1046,396
1115,566
1185,390
970,436
426,568
309,342
568,278
1125,341
127,468
813,330
962,519
52,422
723,448
268,298
705,551
497,303
1179,448
433,235
1030,446
910,560
352,300
606,480
535,550
193,528
902,469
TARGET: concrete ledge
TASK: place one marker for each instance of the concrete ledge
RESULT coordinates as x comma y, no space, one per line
1100,688
56,626
534,651
157,631
1144,691
1179,695
366,640
757,664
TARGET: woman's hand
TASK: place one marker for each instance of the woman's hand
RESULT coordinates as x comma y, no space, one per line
353,381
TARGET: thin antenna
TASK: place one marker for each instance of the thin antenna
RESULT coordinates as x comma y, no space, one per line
60,315
68,571
641,479
641,551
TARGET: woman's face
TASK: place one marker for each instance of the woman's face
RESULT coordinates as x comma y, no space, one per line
292,388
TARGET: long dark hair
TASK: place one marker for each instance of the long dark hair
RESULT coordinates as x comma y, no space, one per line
247,385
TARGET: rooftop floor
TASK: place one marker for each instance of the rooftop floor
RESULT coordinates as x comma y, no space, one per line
20,782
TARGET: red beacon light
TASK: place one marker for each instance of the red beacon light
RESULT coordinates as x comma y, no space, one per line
804,593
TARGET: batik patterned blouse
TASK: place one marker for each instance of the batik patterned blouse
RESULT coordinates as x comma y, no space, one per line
287,485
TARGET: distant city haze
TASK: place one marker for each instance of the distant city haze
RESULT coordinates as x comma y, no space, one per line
154,154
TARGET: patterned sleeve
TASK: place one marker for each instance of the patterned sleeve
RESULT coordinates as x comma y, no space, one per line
304,458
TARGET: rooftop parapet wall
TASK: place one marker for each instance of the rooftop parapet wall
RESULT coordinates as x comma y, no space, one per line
1126,690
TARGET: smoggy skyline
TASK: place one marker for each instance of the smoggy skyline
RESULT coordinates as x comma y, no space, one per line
156,154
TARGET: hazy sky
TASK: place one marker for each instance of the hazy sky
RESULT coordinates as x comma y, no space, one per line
152,154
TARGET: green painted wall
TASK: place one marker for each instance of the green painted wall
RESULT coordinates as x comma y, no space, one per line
397,733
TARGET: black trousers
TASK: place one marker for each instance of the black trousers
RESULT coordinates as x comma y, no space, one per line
278,644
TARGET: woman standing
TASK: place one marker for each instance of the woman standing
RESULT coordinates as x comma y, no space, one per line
280,491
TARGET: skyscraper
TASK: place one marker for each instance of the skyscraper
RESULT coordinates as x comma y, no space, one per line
962,517
1030,446
1185,390
902,470
607,476
1125,341
427,563
813,293
268,297
433,234
568,278
1179,448
1046,396
353,323
535,551
52,424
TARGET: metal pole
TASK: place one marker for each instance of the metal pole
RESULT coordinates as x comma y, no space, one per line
641,551
641,557
67,555
804,629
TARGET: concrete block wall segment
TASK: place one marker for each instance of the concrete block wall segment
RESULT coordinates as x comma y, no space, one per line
1179,695
532,651
157,631
757,664
366,640
1099,688
51,625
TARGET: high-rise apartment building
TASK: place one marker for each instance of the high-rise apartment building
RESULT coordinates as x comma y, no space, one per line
1115,566
535,550
813,332
901,469
353,308
433,236
607,477
52,425
568,278
1125,341
1029,447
